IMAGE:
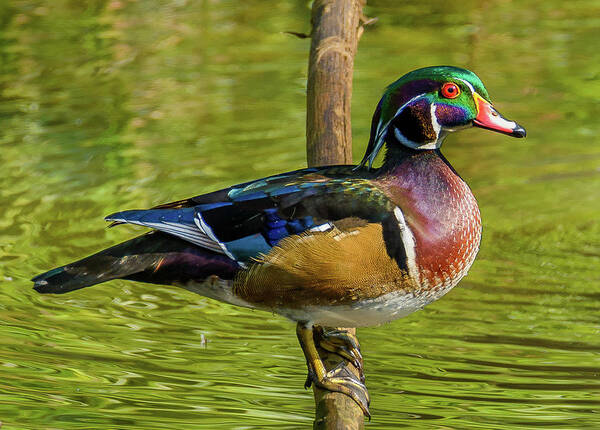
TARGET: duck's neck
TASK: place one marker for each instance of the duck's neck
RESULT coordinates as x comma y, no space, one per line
395,155
398,156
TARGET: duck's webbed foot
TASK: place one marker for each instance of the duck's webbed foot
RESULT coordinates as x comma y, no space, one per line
342,343
339,379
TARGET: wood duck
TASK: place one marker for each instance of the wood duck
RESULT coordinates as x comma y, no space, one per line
335,246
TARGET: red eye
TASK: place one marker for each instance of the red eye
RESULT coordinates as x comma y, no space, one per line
450,90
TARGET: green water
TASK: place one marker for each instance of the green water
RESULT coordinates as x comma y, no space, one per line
108,105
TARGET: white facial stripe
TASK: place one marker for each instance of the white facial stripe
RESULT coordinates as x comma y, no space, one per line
408,240
434,122
473,92
468,84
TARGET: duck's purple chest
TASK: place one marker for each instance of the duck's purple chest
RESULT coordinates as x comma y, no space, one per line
443,217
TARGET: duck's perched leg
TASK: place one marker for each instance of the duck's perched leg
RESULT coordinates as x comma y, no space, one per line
342,343
338,379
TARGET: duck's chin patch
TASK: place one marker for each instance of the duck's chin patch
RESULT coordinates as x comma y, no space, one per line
434,144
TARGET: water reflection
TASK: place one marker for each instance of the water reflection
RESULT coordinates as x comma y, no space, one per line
107,105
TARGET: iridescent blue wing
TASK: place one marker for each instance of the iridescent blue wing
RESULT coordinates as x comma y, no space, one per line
247,220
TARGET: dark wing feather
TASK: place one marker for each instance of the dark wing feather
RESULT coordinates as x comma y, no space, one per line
155,257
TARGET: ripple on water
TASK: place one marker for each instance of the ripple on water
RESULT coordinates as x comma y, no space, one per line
131,104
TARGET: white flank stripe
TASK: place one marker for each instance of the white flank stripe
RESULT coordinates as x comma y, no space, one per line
408,241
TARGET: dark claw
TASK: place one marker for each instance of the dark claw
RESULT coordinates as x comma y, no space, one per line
310,377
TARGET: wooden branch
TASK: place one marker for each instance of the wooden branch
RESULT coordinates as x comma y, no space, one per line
336,28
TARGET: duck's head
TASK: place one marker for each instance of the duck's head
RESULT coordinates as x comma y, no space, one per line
422,107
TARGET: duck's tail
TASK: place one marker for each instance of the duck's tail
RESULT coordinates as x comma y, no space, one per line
155,257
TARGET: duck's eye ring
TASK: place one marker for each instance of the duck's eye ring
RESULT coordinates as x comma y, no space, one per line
450,90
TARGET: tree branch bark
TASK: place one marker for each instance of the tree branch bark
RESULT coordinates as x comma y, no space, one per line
336,29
